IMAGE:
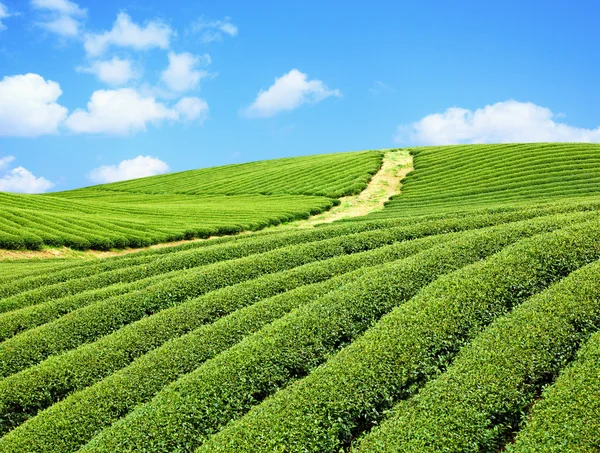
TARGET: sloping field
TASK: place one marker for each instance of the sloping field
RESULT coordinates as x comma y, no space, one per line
328,175
125,215
406,333
451,178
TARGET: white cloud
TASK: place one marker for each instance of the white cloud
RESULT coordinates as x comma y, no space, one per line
4,161
126,33
120,112
213,30
113,72
62,16
125,111
191,109
28,106
289,92
503,122
60,6
3,15
182,74
138,167
64,26
23,181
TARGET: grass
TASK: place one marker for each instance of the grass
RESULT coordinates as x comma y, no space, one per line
461,316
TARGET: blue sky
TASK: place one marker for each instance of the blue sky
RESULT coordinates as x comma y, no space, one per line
101,91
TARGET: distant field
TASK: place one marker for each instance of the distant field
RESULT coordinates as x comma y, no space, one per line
195,204
329,175
460,177
454,320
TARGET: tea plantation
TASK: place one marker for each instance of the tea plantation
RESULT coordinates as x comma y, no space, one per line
196,204
463,317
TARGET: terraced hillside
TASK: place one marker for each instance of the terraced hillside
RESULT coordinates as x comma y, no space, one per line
393,333
462,177
203,203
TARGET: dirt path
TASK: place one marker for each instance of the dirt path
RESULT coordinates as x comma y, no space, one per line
384,184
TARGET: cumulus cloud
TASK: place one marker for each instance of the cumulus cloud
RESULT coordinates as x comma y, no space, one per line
3,15
113,72
62,17
183,74
20,179
213,30
138,167
28,106
125,111
289,92
119,112
503,122
192,109
125,33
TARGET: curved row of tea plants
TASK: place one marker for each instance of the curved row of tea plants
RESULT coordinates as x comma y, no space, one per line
227,386
336,403
83,413
125,275
480,400
54,378
371,236
566,417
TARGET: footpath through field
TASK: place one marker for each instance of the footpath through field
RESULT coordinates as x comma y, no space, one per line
384,184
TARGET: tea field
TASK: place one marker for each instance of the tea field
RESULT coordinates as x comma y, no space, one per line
202,203
463,317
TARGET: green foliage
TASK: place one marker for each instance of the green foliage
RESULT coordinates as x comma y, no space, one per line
413,344
146,269
483,395
100,318
328,175
567,417
78,417
224,388
23,394
74,280
113,220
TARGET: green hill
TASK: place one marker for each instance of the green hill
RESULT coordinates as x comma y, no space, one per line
193,204
463,317
470,177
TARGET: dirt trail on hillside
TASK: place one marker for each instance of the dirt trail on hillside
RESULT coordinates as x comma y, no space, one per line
384,184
